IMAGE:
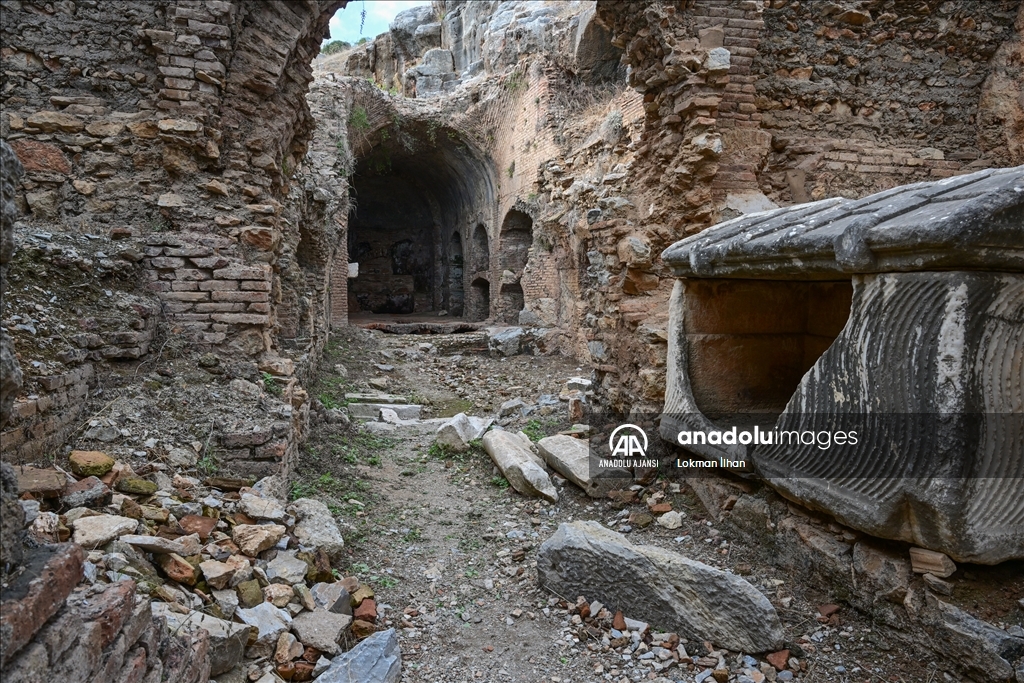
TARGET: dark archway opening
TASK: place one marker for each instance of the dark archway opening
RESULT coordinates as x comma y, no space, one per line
512,303
515,239
749,342
417,190
455,274
479,305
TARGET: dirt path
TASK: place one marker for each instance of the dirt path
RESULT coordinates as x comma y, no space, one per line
451,551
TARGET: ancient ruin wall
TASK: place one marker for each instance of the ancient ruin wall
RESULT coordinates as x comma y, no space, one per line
807,100
169,137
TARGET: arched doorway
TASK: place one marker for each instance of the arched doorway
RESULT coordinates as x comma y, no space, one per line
515,240
480,300
455,275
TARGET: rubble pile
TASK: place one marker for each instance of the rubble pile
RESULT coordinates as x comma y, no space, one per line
219,556
669,655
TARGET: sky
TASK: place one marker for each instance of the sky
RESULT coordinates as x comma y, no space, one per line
379,13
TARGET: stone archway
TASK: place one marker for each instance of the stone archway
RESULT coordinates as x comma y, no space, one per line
515,240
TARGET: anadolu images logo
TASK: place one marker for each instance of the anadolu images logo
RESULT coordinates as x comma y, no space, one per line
628,444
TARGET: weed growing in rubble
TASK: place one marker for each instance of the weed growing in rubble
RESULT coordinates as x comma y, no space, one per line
271,385
534,430
208,465
515,82
329,401
359,119
511,169
500,482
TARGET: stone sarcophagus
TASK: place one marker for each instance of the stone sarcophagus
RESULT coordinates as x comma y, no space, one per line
866,358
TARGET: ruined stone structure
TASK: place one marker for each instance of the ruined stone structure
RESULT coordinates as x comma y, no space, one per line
199,185
922,357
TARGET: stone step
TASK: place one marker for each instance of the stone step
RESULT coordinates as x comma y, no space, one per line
371,411
375,398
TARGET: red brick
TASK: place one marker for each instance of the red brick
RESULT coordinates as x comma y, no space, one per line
43,157
42,595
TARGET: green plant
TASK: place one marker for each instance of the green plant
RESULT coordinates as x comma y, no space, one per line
386,581
515,82
534,430
471,574
500,482
412,535
511,169
359,119
335,46
208,464
271,385
329,401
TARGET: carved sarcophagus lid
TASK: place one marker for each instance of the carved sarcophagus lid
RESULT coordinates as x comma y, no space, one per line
899,318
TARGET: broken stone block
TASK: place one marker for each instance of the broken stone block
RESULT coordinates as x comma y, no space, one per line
881,571
315,527
48,482
371,411
90,463
578,384
136,486
278,594
227,640
305,596
717,61
287,569
86,492
517,463
571,458
154,544
924,561
671,520
32,598
377,658
505,341
333,597
227,601
321,629
92,532
669,589
219,574
288,648
457,433
252,539
177,568
270,623
977,646
249,593
511,407
938,585
261,508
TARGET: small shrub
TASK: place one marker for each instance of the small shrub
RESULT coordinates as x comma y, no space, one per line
359,119
271,385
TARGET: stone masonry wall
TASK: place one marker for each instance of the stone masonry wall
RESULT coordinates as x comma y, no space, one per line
750,105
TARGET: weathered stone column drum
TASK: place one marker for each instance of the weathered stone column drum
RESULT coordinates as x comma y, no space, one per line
899,316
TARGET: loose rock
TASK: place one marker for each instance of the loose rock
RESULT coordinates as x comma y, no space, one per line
518,465
668,588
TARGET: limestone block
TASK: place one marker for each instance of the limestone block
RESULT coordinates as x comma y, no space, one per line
666,588
518,464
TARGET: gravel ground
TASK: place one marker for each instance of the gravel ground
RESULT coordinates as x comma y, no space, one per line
451,550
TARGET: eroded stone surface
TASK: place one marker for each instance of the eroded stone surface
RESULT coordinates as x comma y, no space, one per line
518,465
584,558
376,658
